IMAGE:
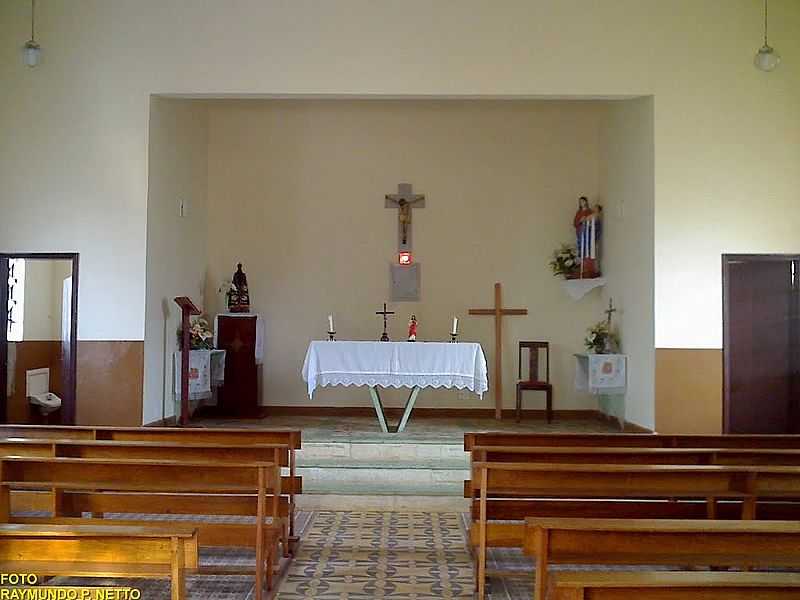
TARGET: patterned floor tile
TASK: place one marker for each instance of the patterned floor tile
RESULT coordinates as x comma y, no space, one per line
367,555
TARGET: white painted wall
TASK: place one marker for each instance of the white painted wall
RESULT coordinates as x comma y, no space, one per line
727,137
176,246
628,200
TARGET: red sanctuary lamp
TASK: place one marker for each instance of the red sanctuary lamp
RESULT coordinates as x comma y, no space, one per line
405,258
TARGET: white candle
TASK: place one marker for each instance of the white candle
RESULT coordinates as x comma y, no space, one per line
330,323
455,326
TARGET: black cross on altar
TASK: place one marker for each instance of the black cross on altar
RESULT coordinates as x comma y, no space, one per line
385,313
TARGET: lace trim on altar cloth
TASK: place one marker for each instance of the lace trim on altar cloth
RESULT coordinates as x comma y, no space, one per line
397,381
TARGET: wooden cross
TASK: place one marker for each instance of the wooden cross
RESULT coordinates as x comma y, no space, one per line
498,312
609,311
385,313
405,200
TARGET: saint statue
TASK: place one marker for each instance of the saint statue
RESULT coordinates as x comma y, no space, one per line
587,237
412,329
238,295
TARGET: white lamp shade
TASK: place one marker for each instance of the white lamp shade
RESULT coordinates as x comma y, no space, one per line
767,59
32,54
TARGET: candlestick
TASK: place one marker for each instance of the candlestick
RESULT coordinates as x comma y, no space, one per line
455,326
453,338
331,336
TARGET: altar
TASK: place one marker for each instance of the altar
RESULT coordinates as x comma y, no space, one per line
413,365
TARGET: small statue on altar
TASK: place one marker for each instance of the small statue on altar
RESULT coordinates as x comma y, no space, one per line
238,294
588,231
412,329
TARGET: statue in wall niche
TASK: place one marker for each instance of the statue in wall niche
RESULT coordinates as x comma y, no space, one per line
588,230
238,294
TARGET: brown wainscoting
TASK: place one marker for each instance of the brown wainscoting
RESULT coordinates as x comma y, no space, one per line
110,380
688,390
33,355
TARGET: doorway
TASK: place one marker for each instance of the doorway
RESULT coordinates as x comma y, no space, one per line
760,343
38,337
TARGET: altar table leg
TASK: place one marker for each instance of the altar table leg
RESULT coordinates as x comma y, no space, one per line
376,401
412,398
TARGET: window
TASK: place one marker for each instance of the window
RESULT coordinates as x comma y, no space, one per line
16,298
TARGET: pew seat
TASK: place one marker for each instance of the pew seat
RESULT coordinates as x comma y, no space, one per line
676,585
101,551
660,542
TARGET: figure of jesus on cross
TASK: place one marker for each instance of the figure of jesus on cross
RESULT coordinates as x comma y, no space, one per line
405,200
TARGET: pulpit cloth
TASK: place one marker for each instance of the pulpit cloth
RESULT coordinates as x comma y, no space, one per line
396,364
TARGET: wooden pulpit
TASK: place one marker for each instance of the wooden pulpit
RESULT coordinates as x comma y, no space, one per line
237,336
188,310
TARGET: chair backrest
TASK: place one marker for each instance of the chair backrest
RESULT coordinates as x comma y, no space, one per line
533,360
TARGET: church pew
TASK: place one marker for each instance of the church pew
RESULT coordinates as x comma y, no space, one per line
630,440
23,501
158,477
676,585
530,483
101,551
642,456
621,455
218,435
745,544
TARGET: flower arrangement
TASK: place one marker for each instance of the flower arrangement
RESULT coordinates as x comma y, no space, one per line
200,335
565,262
600,340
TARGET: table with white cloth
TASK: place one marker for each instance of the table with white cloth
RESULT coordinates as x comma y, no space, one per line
413,365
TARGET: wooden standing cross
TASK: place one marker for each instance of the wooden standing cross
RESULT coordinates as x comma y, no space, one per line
498,312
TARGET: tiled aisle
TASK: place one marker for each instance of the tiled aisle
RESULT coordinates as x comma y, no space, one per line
365,555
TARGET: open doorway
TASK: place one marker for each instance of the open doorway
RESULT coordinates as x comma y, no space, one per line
38,337
761,341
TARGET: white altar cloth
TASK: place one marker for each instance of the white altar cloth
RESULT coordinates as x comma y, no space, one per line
396,364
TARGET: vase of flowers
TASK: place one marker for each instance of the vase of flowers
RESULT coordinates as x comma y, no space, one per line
565,263
601,340
200,335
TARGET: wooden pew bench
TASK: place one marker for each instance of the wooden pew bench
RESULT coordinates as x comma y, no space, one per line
674,586
527,484
101,551
630,440
659,542
175,435
152,480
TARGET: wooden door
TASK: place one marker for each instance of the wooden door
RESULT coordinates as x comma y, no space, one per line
760,343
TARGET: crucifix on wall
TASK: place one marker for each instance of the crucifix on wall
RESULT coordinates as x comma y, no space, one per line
404,200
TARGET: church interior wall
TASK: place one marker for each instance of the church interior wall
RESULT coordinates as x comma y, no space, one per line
296,193
176,238
627,196
75,129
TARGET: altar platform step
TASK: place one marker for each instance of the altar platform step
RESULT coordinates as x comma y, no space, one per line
382,476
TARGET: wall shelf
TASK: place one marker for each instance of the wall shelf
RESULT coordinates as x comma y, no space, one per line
578,288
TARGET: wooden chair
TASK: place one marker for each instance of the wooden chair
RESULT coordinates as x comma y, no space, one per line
534,382
674,586
101,551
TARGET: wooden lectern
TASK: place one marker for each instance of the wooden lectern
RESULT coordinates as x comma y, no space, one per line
188,310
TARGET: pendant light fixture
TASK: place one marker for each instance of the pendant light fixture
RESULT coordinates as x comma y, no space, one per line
766,58
32,52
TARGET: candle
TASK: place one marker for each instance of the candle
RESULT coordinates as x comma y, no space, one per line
330,323
455,326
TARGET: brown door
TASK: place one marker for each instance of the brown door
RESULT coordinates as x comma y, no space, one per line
760,343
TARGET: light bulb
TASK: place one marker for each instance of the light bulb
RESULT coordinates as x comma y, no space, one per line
766,58
32,53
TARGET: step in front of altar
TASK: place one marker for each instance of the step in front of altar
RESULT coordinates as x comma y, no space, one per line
382,476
